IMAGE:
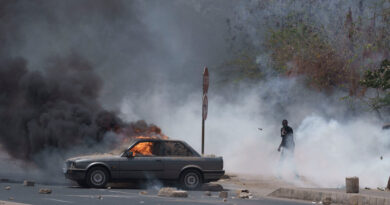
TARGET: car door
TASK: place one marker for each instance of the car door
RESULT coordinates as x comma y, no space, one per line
145,163
176,156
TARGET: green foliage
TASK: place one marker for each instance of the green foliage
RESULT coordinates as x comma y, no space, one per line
378,79
293,39
300,48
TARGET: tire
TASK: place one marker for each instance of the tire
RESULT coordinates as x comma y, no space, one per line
191,179
97,177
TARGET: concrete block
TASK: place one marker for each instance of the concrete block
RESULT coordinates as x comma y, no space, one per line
352,185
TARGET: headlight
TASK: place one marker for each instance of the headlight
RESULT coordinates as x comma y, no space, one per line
72,165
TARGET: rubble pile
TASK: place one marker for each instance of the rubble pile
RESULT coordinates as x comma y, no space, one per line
172,192
44,191
244,194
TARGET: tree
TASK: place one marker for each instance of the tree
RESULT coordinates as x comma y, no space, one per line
379,80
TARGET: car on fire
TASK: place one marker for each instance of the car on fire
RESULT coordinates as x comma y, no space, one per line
165,160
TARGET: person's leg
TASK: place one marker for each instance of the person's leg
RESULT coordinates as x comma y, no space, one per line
281,162
293,166
289,158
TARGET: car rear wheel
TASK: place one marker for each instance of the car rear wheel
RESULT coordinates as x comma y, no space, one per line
97,177
191,179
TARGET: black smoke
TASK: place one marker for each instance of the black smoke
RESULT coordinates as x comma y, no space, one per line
51,87
57,107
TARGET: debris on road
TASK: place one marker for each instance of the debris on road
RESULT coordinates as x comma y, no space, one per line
11,198
45,191
7,188
380,189
207,193
172,192
143,192
224,200
109,187
244,194
28,183
211,187
223,194
100,197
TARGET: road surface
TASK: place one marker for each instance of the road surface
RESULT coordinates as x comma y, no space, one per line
64,194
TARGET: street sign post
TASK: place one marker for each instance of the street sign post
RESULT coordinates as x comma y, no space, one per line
205,107
204,102
205,80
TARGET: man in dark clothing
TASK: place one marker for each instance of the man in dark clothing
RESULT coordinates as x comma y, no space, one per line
287,137
287,147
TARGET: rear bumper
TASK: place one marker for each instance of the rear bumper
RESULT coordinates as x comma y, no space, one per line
213,175
75,174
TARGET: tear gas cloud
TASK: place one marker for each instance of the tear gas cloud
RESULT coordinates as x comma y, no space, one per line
144,61
330,144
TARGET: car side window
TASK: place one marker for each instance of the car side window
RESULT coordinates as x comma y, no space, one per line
177,149
142,149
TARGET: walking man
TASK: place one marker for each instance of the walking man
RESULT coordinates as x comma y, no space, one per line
287,147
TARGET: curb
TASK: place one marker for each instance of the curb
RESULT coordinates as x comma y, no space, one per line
336,197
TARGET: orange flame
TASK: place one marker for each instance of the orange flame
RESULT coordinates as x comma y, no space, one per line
145,148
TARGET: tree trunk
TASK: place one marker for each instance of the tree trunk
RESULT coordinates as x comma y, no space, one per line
352,185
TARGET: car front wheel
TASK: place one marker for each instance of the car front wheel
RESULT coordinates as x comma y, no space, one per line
97,177
191,179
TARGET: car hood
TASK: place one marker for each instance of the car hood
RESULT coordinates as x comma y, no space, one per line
95,157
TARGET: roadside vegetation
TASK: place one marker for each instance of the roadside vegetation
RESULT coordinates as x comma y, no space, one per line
350,53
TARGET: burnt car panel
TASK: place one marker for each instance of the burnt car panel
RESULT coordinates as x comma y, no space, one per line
145,159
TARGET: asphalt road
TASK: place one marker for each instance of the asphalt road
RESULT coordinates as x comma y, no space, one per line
75,195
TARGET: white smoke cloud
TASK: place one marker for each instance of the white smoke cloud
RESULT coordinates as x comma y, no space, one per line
331,144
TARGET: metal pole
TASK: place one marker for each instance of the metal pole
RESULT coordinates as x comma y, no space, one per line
202,135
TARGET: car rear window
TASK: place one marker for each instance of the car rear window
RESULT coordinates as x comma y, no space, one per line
177,149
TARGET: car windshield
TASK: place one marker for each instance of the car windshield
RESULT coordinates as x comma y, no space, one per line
121,149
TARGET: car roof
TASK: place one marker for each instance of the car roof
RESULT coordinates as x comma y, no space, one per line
156,139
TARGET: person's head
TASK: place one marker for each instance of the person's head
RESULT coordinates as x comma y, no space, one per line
284,123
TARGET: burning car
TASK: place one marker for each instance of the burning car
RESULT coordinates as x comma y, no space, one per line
170,160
